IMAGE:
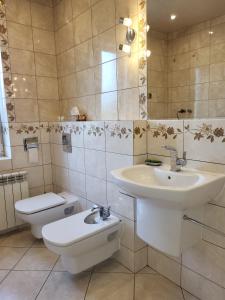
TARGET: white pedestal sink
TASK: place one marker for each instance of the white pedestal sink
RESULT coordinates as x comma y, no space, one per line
163,197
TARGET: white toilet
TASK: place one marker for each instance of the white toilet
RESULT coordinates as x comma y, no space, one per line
81,241
46,208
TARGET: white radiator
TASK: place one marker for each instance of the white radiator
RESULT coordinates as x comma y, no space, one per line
13,187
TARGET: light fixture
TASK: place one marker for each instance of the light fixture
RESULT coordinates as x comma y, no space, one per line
173,17
147,28
130,35
148,53
211,32
125,21
125,48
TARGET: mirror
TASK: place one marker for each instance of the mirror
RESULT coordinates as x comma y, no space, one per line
186,69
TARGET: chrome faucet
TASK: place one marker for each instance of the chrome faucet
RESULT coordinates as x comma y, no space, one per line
175,162
104,212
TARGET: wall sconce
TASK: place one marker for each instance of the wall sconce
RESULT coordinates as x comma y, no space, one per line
130,35
148,53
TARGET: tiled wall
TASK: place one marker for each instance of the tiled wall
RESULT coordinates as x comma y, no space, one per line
195,70
93,74
200,270
31,87
98,148
158,75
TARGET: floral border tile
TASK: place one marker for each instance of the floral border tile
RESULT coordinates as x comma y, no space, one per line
5,56
142,63
207,131
164,131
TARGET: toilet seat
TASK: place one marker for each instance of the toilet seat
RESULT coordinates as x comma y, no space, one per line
39,203
73,229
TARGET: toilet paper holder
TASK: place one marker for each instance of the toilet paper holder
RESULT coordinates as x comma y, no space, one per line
30,143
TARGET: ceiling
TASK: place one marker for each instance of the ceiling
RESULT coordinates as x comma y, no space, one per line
189,12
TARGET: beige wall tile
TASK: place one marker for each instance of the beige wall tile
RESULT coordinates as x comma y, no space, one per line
218,33
127,72
68,87
42,16
47,88
104,46
199,39
45,65
128,104
18,11
26,110
22,62
82,27
106,106
103,16
217,90
199,74
62,13
84,55
126,8
24,86
80,6
64,38
49,110
85,82
20,36
66,62
105,77
44,41
217,53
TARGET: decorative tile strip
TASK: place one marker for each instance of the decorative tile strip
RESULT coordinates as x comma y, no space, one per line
94,130
139,132
207,132
164,131
119,131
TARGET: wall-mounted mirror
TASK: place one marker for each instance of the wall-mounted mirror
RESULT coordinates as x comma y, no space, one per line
186,69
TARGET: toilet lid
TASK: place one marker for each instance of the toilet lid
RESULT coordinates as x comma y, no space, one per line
38,203
73,229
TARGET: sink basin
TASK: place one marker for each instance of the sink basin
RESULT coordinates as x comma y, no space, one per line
181,190
163,197
93,218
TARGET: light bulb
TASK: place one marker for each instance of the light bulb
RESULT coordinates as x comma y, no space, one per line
173,17
126,21
211,32
148,53
125,48
147,28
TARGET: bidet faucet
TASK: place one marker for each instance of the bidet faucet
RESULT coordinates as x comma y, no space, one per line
104,212
175,162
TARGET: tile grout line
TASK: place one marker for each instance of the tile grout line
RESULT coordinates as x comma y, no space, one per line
88,284
12,269
50,272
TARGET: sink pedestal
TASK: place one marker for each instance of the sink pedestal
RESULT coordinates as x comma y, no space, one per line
164,229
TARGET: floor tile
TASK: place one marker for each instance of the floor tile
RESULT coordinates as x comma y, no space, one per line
110,266
38,244
59,266
109,286
188,296
3,274
147,270
18,239
156,287
37,259
10,256
62,285
22,285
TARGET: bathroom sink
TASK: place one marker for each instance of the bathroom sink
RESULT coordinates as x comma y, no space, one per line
163,197
181,190
92,218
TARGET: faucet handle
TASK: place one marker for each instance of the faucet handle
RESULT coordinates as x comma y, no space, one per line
94,207
105,212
